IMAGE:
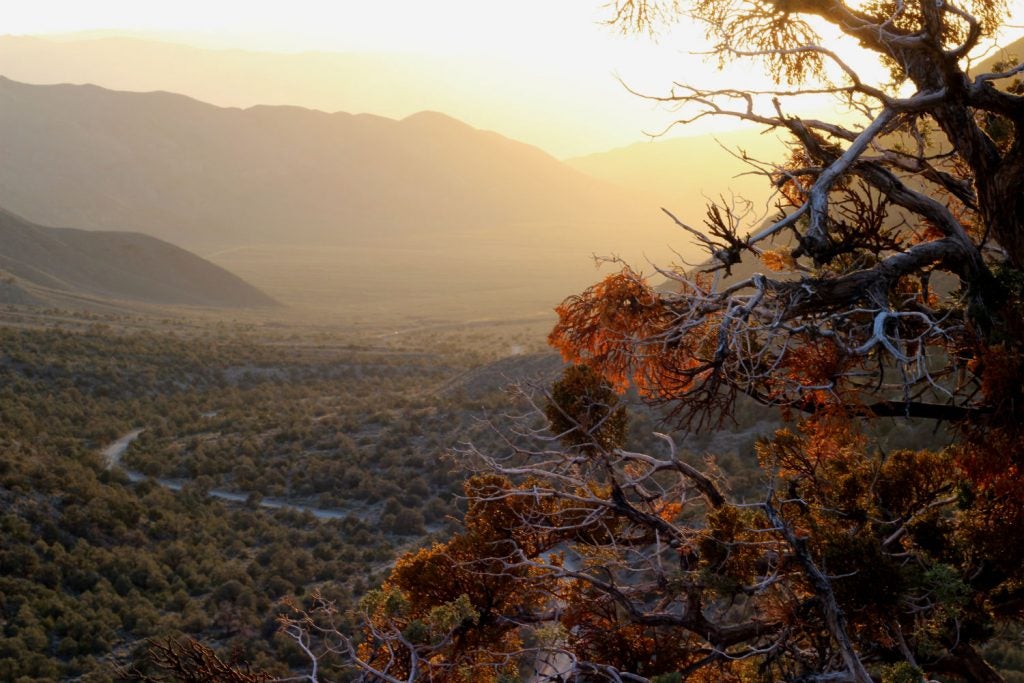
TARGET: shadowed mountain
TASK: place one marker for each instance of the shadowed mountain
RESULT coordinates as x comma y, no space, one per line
204,176
39,264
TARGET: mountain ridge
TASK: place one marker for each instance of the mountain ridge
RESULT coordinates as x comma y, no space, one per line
206,176
490,94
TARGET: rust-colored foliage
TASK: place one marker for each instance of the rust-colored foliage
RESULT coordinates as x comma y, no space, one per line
793,179
598,632
601,326
991,460
620,328
864,514
778,260
817,367
1001,368
484,568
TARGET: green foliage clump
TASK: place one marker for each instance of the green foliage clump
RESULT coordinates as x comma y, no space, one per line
584,411
902,672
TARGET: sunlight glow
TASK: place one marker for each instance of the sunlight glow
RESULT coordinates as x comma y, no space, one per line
544,72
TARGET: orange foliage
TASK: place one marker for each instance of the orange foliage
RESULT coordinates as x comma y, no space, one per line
598,631
817,365
670,511
619,328
483,567
600,327
778,260
805,455
992,460
792,187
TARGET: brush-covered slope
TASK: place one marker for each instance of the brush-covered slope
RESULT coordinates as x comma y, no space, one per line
36,260
204,176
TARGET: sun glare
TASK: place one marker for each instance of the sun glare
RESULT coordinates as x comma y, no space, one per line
551,74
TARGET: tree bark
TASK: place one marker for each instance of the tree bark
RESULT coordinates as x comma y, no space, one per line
965,661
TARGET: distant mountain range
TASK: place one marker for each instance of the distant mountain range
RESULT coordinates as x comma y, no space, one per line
553,107
46,266
685,173
426,205
674,172
205,176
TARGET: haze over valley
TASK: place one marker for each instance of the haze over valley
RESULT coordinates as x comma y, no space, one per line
239,185
327,208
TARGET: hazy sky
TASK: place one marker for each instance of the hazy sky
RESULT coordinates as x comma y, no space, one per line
547,69
435,26
559,61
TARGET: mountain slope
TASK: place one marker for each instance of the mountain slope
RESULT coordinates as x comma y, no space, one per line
111,265
1014,50
205,176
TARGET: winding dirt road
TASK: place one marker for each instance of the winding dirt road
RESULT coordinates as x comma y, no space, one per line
115,451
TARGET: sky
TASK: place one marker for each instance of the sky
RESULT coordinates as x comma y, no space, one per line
438,26
553,67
